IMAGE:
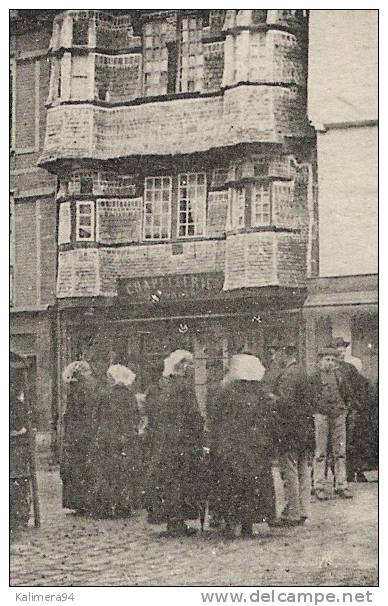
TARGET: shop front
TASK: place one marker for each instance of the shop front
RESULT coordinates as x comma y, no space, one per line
153,316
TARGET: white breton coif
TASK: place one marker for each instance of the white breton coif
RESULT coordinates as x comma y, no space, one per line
121,375
244,367
171,362
77,367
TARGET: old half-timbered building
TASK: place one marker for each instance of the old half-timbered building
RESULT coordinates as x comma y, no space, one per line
186,200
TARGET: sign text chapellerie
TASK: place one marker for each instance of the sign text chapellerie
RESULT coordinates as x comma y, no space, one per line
184,287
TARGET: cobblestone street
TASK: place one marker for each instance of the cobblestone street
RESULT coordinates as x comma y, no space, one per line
337,547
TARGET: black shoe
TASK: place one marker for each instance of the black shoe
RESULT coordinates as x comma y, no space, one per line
321,495
179,530
284,523
344,493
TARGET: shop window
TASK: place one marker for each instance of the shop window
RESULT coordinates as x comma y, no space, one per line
261,207
157,208
85,220
155,59
79,77
236,208
190,69
191,204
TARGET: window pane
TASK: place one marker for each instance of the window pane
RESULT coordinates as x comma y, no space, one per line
84,234
157,213
86,221
84,209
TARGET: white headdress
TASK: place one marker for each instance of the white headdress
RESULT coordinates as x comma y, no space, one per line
121,375
244,367
171,362
78,367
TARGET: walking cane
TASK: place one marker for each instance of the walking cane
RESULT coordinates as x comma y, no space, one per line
202,515
32,462
202,510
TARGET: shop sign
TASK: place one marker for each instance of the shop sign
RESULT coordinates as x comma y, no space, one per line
185,287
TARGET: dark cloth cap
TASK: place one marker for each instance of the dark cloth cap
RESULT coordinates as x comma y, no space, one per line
339,342
328,351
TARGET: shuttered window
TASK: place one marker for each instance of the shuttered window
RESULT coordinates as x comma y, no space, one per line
26,106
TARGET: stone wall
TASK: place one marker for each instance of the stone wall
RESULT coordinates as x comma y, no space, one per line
34,246
242,115
248,260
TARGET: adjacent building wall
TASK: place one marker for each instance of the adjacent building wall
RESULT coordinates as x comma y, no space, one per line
33,220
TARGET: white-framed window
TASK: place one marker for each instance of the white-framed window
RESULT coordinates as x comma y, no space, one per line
191,204
236,208
157,208
85,221
261,205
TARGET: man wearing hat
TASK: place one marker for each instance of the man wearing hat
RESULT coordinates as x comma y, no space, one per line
274,365
331,398
294,435
358,442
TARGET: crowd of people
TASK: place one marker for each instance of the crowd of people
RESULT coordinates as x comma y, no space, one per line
123,450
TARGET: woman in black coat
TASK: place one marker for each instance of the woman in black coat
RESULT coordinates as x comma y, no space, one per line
79,426
241,429
116,451
174,483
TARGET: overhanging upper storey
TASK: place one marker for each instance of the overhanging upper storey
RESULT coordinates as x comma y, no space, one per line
180,82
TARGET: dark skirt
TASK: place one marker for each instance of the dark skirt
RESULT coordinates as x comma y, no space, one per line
176,487
20,502
117,480
76,477
238,498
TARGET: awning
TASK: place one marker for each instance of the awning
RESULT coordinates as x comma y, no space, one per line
352,303
354,298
